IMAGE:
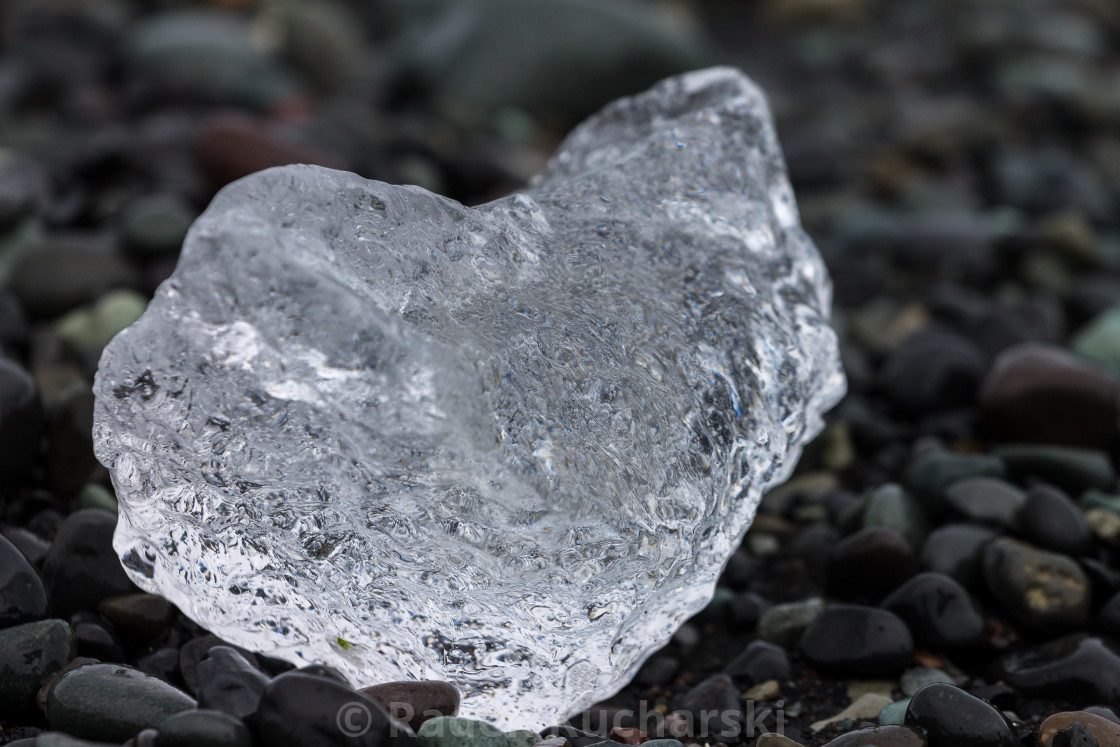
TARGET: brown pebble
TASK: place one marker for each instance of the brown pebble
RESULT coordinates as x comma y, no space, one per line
628,735
1107,733
414,702
231,146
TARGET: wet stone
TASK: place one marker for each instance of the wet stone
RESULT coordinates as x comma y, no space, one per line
1098,728
986,500
868,564
29,655
953,718
228,682
1041,393
853,641
955,550
1050,519
939,611
759,662
111,702
22,596
1078,667
1037,588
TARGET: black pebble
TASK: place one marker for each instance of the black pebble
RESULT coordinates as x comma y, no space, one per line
162,663
869,564
305,709
852,641
1076,667
81,568
22,596
1074,735
745,609
759,662
228,682
953,718
955,550
938,610
933,371
21,418
576,737
1051,520
708,702
195,650
97,638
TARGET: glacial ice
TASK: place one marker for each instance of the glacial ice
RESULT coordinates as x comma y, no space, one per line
509,446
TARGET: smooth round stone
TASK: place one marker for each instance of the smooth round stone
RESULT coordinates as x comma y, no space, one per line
1078,667
21,418
895,713
891,506
955,551
1037,588
1072,469
953,718
940,613
194,651
1105,732
32,546
933,371
144,615
527,738
228,682
852,641
759,662
986,500
868,564
90,328
746,608
202,727
308,710
880,736
66,272
29,654
322,670
447,731
22,596
708,701
1040,393
1103,712
783,624
81,567
414,702
96,637
111,702
775,740
1050,519
163,663
156,224
932,471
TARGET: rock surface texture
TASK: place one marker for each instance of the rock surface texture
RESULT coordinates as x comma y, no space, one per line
508,446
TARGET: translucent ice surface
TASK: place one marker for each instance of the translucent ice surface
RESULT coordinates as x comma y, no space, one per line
509,446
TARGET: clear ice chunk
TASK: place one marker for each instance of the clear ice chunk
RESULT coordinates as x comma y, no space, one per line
509,446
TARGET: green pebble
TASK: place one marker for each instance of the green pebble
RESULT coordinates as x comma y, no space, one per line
452,731
1073,469
895,713
92,327
1099,340
783,624
933,471
96,496
111,702
892,507
156,224
29,654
